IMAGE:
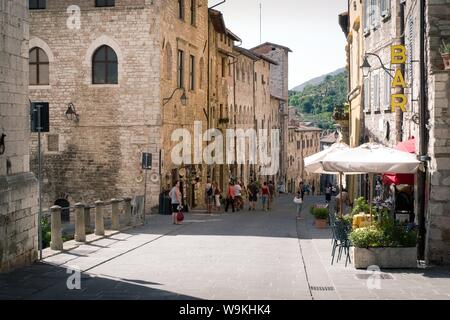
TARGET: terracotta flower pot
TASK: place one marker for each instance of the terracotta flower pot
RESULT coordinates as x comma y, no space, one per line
321,223
446,59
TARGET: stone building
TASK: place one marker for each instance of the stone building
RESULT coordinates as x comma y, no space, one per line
303,142
381,30
351,23
221,90
116,67
437,139
279,89
392,22
244,115
18,186
184,69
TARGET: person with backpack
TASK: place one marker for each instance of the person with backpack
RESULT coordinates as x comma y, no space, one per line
209,196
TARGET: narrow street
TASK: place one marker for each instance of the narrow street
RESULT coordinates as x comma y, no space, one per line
246,255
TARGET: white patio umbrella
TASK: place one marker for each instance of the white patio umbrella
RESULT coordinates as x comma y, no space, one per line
313,164
371,158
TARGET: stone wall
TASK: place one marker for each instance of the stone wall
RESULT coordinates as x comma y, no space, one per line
438,28
18,187
99,156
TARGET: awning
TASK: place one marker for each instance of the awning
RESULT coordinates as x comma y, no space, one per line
397,179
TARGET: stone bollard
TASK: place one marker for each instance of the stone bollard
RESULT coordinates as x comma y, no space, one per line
87,219
99,222
115,221
127,209
80,227
56,242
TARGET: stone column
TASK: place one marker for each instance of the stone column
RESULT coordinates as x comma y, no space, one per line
87,219
80,231
115,214
56,242
99,222
127,209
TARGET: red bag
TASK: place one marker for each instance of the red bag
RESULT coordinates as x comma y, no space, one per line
180,216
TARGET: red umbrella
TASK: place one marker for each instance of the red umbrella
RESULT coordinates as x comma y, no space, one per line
388,179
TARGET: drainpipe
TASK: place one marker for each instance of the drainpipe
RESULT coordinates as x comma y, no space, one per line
423,139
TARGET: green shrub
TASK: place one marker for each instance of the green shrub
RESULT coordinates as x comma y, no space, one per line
360,205
384,233
320,213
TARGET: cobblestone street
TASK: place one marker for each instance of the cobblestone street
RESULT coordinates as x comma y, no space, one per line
246,255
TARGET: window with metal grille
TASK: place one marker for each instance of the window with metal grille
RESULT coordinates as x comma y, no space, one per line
104,66
39,67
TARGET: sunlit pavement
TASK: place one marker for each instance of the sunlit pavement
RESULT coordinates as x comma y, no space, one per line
244,255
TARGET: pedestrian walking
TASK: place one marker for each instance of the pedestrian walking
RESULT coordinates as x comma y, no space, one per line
217,196
271,194
253,191
328,191
299,205
231,194
313,190
209,196
238,196
175,198
265,193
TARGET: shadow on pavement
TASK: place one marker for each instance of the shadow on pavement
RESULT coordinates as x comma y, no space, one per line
45,282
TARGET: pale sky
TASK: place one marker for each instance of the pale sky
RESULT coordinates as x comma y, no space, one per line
309,27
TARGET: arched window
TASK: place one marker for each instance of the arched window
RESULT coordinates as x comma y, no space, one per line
169,61
39,67
104,66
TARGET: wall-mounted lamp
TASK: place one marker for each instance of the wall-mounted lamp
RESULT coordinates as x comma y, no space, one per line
71,113
183,97
366,65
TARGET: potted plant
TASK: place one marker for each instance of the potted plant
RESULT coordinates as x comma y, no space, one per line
445,53
384,244
321,215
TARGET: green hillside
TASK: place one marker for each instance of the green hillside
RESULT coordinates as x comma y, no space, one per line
317,102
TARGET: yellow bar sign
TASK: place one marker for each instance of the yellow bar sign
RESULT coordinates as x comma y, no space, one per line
398,56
